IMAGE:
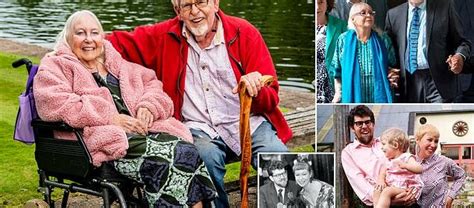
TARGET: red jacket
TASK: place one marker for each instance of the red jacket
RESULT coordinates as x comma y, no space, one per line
163,48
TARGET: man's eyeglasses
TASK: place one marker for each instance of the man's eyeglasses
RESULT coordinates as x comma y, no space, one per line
365,13
360,123
189,6
281,175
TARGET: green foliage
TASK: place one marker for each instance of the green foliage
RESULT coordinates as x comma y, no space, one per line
18,178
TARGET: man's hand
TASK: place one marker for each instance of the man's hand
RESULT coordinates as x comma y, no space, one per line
130,124
252,82
145,116
393,77
456,63
406,198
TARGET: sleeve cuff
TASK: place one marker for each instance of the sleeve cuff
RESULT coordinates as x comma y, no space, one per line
462,55
452,194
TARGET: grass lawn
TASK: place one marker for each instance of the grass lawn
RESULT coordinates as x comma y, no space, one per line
18,176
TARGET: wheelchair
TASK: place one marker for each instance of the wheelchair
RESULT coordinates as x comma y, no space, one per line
67,164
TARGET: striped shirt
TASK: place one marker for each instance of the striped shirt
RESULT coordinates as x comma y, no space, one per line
435,171
209,104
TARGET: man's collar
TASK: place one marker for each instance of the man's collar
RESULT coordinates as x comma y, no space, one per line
278,187
357,143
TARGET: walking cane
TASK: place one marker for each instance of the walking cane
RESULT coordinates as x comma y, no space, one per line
245,139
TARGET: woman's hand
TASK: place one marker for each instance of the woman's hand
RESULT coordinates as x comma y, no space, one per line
393,77
337,98
449,202
337,91
130,124
145,116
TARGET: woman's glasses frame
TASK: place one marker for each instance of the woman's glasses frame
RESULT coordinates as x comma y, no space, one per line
365,13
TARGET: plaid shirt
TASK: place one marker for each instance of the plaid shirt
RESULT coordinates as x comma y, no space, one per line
435,171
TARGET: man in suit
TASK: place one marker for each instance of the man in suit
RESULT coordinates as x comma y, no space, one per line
431,48
465,8
279,191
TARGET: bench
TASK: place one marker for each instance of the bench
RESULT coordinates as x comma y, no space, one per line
302,123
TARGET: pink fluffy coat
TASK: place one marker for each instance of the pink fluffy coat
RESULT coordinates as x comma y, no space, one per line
66,91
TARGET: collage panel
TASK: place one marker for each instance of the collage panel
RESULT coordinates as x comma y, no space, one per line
406,155
296,180
394,51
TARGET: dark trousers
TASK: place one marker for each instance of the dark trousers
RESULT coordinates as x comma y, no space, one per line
421,88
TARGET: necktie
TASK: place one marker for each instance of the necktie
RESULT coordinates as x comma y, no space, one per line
280,195
413,40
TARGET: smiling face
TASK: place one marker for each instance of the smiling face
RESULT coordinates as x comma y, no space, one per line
427,145
302,177
363,129
86,39
279,177
198,15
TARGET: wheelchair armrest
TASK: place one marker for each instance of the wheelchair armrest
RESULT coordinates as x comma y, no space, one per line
58,126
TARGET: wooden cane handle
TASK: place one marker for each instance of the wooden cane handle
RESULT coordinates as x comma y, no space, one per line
245,137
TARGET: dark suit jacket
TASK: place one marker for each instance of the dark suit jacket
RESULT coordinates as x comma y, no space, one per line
268,196
444,37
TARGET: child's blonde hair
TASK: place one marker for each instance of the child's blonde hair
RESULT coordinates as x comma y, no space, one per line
426,129
397,138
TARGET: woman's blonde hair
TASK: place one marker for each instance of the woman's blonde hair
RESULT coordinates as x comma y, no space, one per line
426,129
302,163
396,138
68,27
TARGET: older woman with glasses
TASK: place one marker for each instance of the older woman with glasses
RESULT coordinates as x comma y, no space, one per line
124,113
362,60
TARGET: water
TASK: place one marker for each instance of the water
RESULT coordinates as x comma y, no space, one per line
286,25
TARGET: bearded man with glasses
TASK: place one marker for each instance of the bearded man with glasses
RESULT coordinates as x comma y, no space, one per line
363,158
200,56
279,190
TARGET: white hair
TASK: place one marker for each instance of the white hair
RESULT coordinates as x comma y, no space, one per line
174,2
69,26
353,11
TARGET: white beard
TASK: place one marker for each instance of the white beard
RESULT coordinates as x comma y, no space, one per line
199,31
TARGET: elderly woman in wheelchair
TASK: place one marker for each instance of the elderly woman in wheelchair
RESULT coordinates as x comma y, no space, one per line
124,114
